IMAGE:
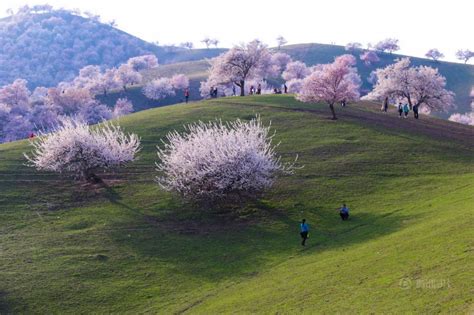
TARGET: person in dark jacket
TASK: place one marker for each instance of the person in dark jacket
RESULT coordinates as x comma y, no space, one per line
400,110
415,111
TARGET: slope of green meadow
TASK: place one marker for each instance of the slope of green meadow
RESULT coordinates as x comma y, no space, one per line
128,247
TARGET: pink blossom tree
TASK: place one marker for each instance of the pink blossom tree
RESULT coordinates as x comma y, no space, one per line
331,83
466,119
44,116
389,44
127,76
179,81
216,162
18,127
295,70
279,62
144,62
241,63
369,57
93,112
122,107
78,149
16,95
4,119
464,55
434,54
352,47
419,86
69,100
294,85
158,89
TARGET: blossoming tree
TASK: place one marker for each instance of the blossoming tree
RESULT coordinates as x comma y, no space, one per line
80,150
331,83
213,162
419,86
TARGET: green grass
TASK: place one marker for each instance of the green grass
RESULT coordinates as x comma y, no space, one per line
129,247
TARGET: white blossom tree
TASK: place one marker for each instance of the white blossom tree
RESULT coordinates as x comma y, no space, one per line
419,86
158,89
241,63
219,162
80,150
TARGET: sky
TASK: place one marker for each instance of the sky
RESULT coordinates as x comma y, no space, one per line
419,24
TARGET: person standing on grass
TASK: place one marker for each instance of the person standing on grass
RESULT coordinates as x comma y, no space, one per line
400,110
285,88
385,104
415,111
186,95
406,110
233,90
304,230
259,89
344,212
343,103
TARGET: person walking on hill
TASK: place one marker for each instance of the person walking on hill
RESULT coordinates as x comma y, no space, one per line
400,110
385,104
415,111
285,88
344,212
304,230
186,95
406,110
259,89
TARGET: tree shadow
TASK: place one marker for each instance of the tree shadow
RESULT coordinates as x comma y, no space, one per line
214,247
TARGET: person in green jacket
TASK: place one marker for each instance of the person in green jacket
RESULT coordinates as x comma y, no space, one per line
406,110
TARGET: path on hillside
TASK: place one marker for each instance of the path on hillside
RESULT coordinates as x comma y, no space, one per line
437,129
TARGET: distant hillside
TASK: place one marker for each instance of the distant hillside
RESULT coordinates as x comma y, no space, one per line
460,77
46,47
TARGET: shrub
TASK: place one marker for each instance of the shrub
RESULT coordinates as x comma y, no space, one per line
80,150
214,162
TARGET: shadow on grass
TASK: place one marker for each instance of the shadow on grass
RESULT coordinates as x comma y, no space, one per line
215,245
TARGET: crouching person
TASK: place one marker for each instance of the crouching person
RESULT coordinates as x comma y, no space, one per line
344,212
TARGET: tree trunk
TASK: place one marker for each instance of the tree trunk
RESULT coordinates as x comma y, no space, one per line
90,177
331,106
242,88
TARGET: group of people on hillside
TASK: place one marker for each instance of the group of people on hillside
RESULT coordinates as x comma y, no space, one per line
403,109
258,91
304,227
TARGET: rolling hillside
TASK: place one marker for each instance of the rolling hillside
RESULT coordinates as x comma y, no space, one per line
460,77
128,247
48,46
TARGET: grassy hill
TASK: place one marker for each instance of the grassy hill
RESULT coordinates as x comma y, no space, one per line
128,247
460,77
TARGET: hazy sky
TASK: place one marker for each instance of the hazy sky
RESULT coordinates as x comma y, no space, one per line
418,24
